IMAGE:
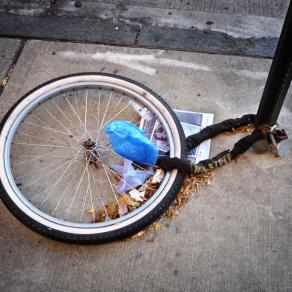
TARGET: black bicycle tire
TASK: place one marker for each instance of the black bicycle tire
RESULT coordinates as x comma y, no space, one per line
110,236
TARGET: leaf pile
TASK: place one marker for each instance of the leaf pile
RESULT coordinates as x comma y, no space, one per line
129,201
189,188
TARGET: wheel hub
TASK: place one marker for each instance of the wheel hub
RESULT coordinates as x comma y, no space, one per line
90,152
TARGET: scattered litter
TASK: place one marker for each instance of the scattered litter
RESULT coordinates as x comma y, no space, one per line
92,211
4,82
131,177
126,203
136,195
128,200
158,176
156,226
131,142
138,235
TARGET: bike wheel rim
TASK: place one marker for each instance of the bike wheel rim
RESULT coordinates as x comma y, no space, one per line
85,227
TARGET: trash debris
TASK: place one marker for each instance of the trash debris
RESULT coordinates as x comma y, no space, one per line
131,177
128,200
4,82
158,176
92,211
138,235
156,226
136,195
131,142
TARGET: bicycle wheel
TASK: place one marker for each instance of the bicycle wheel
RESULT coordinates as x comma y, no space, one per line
56,166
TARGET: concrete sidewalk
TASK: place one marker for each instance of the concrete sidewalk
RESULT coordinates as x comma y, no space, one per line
234,236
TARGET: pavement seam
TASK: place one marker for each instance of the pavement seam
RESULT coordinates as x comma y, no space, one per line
53,7
138,37
132,46
5,80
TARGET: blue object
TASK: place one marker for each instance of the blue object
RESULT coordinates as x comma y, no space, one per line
131,142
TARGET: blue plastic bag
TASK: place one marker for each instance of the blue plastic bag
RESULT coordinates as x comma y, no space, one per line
131,142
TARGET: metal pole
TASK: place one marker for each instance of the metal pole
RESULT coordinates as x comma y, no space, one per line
279,77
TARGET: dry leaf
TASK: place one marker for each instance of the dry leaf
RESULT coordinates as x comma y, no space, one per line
137,235
4,82
123,208
129,201
157,226
101,216
92,210
112,210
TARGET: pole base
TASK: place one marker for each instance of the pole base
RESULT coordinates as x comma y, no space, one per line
274,136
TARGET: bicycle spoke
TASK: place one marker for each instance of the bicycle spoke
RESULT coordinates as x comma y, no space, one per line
38,170
41,145
85,113
35,157
77,189
116,105
98,106
37,118
109,182
83,207
66,117
89,186
58,180
107,122
77,116
62,195
62,112
61,124
105,112
77,111
43,191
36,180
98,189
36,137
45,127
